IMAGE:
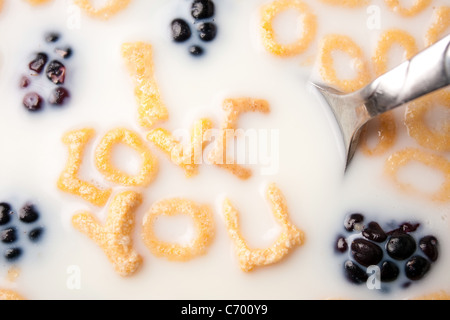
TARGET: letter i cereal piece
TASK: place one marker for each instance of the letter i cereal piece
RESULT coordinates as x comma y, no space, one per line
139,61
68,180
115,237
289,238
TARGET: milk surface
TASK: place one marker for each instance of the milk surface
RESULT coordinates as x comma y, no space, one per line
298,149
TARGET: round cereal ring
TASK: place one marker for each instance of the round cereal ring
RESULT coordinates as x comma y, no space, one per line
10,295
103,158
418,129
270,11
107,11
345,44
347,3
417,7
440,24
401,158
203,222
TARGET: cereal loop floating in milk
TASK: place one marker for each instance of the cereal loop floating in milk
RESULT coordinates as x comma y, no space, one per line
68,180
436,139
10,295
333,42
233,109
347,3
139,61
440,25
416,8
203,222
115,237
103,159
272,10
109,9
401,158
190,159
289,238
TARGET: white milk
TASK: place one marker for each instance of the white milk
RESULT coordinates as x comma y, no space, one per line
307,165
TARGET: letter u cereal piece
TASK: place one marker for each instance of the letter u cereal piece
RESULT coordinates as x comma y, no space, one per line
345,44
189,160
139,61
115,237
203,222
401,158
417,7
440,24
233,109
289,238
103,155
68,181
107,11
272,10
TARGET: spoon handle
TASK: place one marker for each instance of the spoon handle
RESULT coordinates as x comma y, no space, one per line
426,72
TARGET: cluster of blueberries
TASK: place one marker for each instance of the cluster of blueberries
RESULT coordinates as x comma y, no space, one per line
202,12
397,253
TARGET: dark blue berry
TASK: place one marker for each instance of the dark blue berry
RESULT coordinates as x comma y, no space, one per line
389,271
366,253
8,235
56,72
38,64
64,53
28,213
429,246
5,213
406,227
354,273
35,234
352,220
374,232
401,246
196,50
12,254
32,102
59,96
341,244
180,30
207,31
24,82
52,37
417,267
202,9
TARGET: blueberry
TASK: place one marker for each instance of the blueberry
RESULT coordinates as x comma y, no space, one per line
341,244
354,273
180,30
13,253
8,235
352,220
59,96
202,9
207,31
406,227
35,234
28,213
64,53
401,246
366,253
52,37
32,102
38,64
56,72
389,271
196,50
429,246
5,213
24,82
417,267
374,232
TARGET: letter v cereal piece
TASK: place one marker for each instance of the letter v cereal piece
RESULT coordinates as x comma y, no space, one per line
289,238
115,237
68,180
138,59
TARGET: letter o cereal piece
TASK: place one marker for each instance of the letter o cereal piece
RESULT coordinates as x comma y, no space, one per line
401,158
270,11
438,140
346,3
440,25
203,221
103,155
417,7
345,44
10,295
109,9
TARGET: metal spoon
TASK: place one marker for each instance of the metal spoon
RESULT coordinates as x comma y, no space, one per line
426,72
